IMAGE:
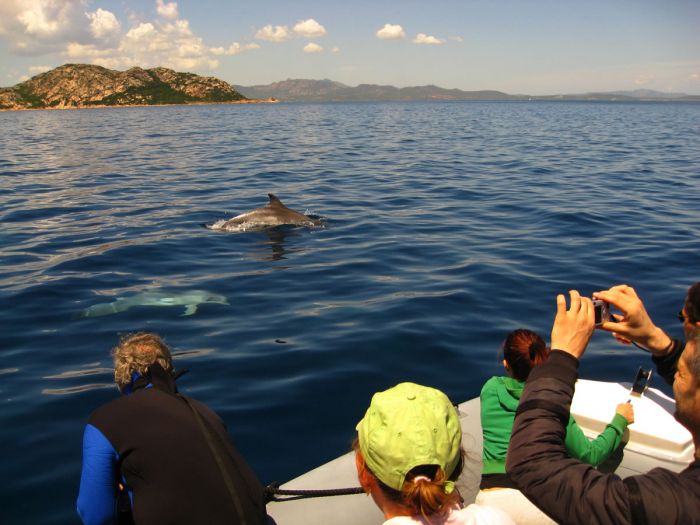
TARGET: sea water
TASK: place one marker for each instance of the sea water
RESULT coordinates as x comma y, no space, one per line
446,225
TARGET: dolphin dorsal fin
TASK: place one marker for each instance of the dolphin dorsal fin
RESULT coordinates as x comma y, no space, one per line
274,201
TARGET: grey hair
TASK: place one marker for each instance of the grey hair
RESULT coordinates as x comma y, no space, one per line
136,352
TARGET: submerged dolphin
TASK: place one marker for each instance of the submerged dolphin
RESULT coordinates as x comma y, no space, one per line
190,300
273,214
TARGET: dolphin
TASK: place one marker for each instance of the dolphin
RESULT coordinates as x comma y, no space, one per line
190,300
273,214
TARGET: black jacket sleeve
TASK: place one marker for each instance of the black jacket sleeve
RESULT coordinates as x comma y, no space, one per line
666,365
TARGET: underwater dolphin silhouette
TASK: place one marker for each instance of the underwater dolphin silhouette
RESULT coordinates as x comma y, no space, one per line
189,299
274,213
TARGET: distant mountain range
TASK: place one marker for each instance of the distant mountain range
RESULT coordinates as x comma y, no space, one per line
650,94
301,90
82,85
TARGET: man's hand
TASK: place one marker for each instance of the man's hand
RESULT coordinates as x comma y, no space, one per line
634,325
627,411
573,328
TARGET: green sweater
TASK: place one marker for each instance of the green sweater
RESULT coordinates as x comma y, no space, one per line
499,400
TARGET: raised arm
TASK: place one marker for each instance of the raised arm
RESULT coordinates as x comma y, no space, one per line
566,489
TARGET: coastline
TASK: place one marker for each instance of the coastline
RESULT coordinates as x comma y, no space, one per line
101,106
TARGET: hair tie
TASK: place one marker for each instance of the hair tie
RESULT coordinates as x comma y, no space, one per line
449,487
421,477
533,350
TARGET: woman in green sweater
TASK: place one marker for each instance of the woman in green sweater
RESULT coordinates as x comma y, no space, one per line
522,351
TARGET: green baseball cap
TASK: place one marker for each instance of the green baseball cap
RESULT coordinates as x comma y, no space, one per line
407,426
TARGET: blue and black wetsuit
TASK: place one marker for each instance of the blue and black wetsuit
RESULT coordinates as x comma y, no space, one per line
150,442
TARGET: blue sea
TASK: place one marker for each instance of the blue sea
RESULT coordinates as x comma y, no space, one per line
446,225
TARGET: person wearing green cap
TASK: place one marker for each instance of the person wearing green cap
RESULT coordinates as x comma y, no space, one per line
409,454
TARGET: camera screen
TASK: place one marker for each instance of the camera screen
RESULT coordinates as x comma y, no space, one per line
602,314
641,381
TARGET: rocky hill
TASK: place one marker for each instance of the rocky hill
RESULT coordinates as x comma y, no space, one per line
82,85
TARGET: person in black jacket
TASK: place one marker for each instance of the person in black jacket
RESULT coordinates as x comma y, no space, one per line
156,456
570,491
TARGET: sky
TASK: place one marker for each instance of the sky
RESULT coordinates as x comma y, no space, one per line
535,47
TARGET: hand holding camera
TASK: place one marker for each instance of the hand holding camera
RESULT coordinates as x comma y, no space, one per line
635,325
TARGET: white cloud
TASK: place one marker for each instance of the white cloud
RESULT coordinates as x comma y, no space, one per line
695,76
65,27
82,51
142,32
422,38
281,33
335,50
391,32
312,48
149,44
643,80
171,44
273,34
234,49
36,26
103,24
37,20
309,29
168,10
35,70
456,38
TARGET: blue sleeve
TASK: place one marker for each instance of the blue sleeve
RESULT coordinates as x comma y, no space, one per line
98,493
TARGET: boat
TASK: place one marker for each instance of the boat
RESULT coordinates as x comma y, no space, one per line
655,439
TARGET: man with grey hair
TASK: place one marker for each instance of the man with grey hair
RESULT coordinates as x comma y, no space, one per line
570,491
157,456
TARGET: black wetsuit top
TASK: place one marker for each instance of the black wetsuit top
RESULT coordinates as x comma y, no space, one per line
167,464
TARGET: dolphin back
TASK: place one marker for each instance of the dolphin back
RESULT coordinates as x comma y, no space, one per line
273,214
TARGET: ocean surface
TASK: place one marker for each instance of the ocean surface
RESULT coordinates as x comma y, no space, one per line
446,225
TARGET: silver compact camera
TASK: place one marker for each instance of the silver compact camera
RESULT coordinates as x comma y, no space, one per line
602,311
